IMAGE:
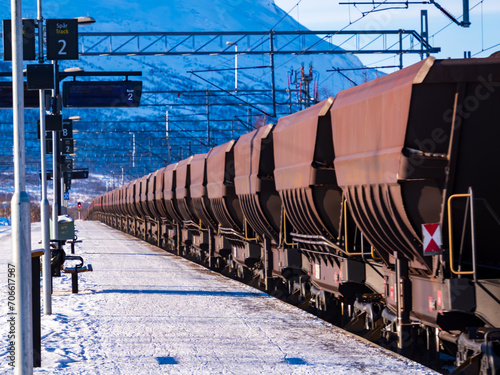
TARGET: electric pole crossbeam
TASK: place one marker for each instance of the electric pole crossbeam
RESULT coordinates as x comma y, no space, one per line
304,42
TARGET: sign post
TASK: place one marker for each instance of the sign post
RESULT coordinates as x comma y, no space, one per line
62,39
19,272
62,44
43,77
19,44
28,40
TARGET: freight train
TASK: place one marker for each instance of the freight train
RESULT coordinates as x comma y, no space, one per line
378,208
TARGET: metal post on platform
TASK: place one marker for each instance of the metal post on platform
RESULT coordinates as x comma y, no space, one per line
55,182
74,281
37,331
44,202
55,165
20,210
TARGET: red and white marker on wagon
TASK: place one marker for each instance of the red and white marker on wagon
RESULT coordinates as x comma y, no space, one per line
432,238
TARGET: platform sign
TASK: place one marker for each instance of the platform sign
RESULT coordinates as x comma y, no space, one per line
67,129
28,40
48,138
49,175
48,145
102,94
67,165
67,176
53,122
80,173
40,76
31,98
432,239
62,39
68,147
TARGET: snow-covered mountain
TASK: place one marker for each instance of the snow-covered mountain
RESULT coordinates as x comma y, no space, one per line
110,141
154,15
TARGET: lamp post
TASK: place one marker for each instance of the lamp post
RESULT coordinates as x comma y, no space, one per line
44,203
235,44
20,316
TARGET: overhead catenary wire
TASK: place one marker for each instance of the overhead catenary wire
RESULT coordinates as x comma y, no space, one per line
261,40
486,49
321,40
482,35
482,30
451,23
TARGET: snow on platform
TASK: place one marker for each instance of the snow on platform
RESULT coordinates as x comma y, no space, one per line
145,311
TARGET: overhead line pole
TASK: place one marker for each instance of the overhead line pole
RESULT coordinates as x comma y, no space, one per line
273,82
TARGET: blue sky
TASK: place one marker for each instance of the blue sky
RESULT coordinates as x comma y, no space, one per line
482,38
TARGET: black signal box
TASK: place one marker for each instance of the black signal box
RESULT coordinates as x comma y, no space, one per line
28,40
40,76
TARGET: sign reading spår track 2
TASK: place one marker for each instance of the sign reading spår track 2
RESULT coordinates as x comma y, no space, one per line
62,39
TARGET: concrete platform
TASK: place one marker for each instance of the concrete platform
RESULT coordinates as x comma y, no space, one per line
145,311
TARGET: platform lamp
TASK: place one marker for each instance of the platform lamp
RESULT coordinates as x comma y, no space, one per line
85,20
